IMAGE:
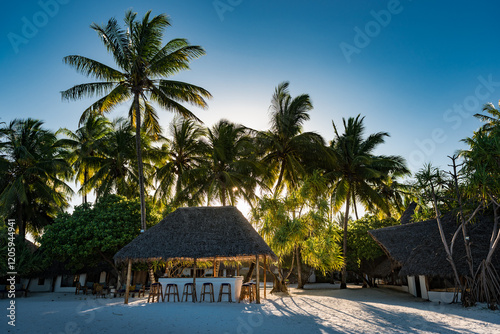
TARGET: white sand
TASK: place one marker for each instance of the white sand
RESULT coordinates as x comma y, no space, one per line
322,308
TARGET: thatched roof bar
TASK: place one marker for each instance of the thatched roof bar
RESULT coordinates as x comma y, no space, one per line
201,233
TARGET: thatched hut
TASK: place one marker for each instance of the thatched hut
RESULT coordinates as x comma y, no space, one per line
417,251
198,234
201,233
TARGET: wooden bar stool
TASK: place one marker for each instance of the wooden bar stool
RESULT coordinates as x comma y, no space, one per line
222,292
189,290
246,291
171,289
210,292
156,291
254,290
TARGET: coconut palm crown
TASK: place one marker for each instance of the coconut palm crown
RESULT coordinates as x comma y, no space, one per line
287,146
144,64
358,172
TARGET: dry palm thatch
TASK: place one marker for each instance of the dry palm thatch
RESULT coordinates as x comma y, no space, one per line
407,216
378,268
418,250
201,233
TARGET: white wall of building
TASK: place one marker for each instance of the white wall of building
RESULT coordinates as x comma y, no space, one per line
423,287
102,277
442,296
412,288
312,278
411,285
35,287
59,288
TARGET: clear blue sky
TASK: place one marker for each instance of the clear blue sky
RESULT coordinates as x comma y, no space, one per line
416,69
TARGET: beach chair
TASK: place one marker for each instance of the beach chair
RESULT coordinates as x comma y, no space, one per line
90,287
21,288
105,287
139,288
80,287
99,291
121,291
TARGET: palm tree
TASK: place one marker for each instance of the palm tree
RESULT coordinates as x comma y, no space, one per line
231,169
116,172
493,120
297,226
184,151
287,147
357,172
86,143
144,64
32,174
397,195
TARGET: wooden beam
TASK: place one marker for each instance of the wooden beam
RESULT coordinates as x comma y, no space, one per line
194,284
216,273
265,271
127,286
194,273
257,286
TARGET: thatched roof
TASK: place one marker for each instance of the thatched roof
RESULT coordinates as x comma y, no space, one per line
380,267
201,233
407,216
417,247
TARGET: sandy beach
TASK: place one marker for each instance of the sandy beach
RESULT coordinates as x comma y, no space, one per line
321,308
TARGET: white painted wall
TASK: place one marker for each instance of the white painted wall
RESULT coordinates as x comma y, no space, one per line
59,288
312,278
411,285
34,287
102,277
423,287
441,296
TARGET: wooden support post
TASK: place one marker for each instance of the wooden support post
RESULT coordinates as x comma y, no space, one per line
265,271
194,273
238,269
257,286
127,286
216,274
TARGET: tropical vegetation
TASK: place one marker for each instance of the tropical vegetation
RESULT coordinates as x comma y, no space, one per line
312,201
144,65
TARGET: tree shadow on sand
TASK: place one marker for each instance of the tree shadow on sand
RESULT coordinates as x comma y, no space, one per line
372,311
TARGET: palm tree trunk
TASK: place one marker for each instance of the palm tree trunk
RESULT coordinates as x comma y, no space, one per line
280,178
85,179
20,223
299,269
355,207
139,159
343,285
223,196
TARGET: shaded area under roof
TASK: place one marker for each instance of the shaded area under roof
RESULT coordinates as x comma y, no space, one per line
417,247
201,233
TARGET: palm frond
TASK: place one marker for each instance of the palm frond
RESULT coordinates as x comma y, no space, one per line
93,68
